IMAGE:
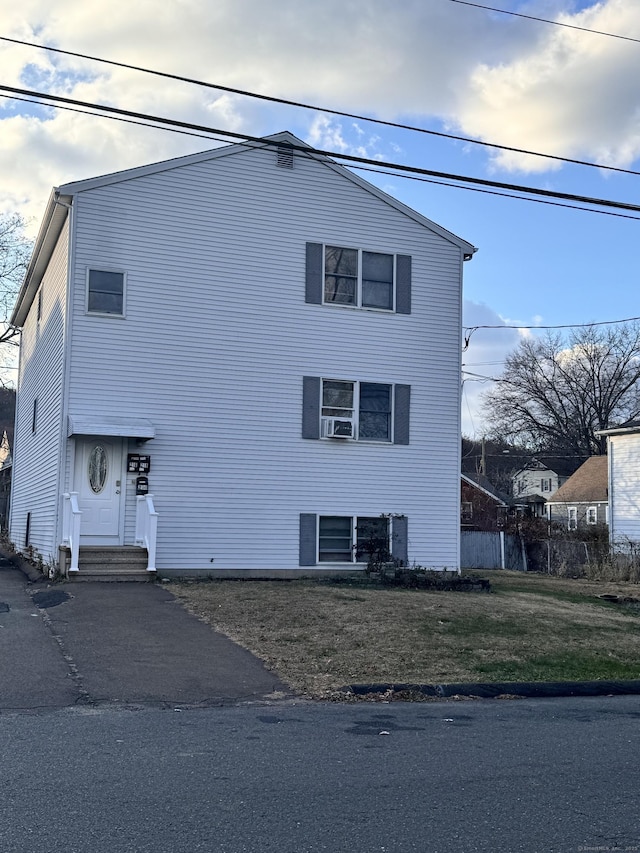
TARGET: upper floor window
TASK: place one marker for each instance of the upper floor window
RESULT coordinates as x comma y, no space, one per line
105,292
354,277
572,518
336,275
592,515
363,409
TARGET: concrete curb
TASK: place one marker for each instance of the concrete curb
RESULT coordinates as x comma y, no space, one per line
525,690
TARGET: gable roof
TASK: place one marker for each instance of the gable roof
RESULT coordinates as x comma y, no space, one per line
61,199
562,465
589,483
479,481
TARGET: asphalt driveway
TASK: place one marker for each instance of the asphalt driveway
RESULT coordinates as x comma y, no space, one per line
131,644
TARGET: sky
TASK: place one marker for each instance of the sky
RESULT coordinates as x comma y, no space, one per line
442,65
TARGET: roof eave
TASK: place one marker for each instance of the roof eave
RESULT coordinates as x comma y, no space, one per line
52,223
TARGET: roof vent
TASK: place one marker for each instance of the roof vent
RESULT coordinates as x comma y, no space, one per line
285,157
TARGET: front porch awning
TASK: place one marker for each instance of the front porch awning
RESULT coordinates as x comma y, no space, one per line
110,425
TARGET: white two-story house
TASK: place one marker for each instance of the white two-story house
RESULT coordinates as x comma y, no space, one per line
246,361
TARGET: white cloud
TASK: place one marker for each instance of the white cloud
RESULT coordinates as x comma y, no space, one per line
498,77
569,93
493,76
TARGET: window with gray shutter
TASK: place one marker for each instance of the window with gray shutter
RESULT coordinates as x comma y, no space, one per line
401,413
400,539
403,284
311,407
313,281
308,538
337,275
366,407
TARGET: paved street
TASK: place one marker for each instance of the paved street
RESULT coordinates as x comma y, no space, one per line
541,776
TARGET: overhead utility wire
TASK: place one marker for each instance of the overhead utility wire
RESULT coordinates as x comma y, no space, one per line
351,158
471,329
546,21
562,326
494,192
456,186
302,105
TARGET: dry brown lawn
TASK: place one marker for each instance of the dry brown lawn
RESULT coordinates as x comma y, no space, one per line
320,637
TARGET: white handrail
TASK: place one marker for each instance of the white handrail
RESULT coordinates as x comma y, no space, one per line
147,528
71,527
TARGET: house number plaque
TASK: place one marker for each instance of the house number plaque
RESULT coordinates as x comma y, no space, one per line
138,463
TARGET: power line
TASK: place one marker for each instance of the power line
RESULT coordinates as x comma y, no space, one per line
350,158
299,104
546,21
562,326
457,186
493,192
472,329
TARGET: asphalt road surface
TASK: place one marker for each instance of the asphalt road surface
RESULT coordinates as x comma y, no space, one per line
444,777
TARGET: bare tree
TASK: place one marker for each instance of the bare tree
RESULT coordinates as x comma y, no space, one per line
15,250
555,393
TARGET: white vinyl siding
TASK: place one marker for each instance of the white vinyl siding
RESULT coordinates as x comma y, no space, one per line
218,336
36,456
624,488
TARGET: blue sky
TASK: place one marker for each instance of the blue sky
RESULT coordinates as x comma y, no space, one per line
438,64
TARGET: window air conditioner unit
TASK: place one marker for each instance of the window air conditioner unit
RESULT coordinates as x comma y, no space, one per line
337,428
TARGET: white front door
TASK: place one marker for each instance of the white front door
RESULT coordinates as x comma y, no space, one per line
98,480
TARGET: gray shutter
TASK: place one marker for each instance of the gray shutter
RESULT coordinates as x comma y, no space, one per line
401,413
308,536
400,539
403,284
311,407
313,281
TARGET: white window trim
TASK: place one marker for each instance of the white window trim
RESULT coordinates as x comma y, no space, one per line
355,414
572,512
358,304
101,268
354,538
594,510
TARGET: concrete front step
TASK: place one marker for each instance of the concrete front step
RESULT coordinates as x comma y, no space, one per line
118,563
86,575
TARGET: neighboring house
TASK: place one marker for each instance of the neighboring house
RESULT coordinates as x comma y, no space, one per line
481,506
538,480
623,451
6,463
260,339
583,500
